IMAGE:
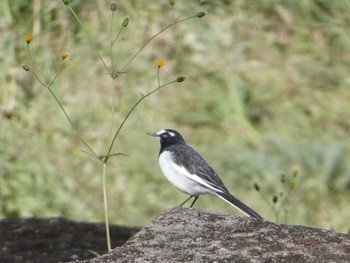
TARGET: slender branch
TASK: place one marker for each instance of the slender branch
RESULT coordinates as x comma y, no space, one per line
48,86
37,77
56,75
158,76
70,121
36,67
90,40
111,51
153,37
130,111
59,104
116,38
30,54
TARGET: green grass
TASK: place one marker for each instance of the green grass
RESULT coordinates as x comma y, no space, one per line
267,93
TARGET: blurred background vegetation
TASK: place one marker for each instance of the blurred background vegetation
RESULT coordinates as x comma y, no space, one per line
266,102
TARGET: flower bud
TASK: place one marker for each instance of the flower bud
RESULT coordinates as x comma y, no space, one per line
257,187
25,67
201,14
113,7
66,2
180,79
125,22
295,173
292,184
275,199
172,2
64,55
283,178
28,38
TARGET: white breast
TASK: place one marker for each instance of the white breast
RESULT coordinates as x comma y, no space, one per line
180,178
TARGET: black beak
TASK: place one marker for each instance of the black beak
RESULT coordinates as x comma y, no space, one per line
152,134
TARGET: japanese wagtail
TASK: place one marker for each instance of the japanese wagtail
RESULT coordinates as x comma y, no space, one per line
188,172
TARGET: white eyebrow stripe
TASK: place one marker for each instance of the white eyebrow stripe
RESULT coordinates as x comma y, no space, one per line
161,132
165,131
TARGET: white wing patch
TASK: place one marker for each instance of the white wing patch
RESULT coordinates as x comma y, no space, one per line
195,178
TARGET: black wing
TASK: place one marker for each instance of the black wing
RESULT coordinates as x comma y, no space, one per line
195,164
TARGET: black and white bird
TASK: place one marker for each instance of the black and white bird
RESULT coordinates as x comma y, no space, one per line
188,172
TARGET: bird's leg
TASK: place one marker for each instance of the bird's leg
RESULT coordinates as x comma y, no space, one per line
195,199
184,202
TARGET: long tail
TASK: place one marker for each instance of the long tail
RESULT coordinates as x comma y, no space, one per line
237,204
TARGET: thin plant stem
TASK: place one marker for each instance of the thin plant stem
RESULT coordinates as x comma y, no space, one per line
89,38
30,54
172,14
114,72
48,86
116,38
274,209
158,76
108,239
70,121
37,77
113,112
111,51
36,67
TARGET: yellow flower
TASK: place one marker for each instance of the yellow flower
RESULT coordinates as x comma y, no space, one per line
64,55
160,63
28,38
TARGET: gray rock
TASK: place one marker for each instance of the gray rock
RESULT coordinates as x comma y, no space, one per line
192,235
49,240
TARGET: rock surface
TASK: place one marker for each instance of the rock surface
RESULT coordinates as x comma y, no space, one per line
177,235
192,235
55,239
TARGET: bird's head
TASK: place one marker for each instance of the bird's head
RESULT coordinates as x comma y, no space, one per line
168,137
